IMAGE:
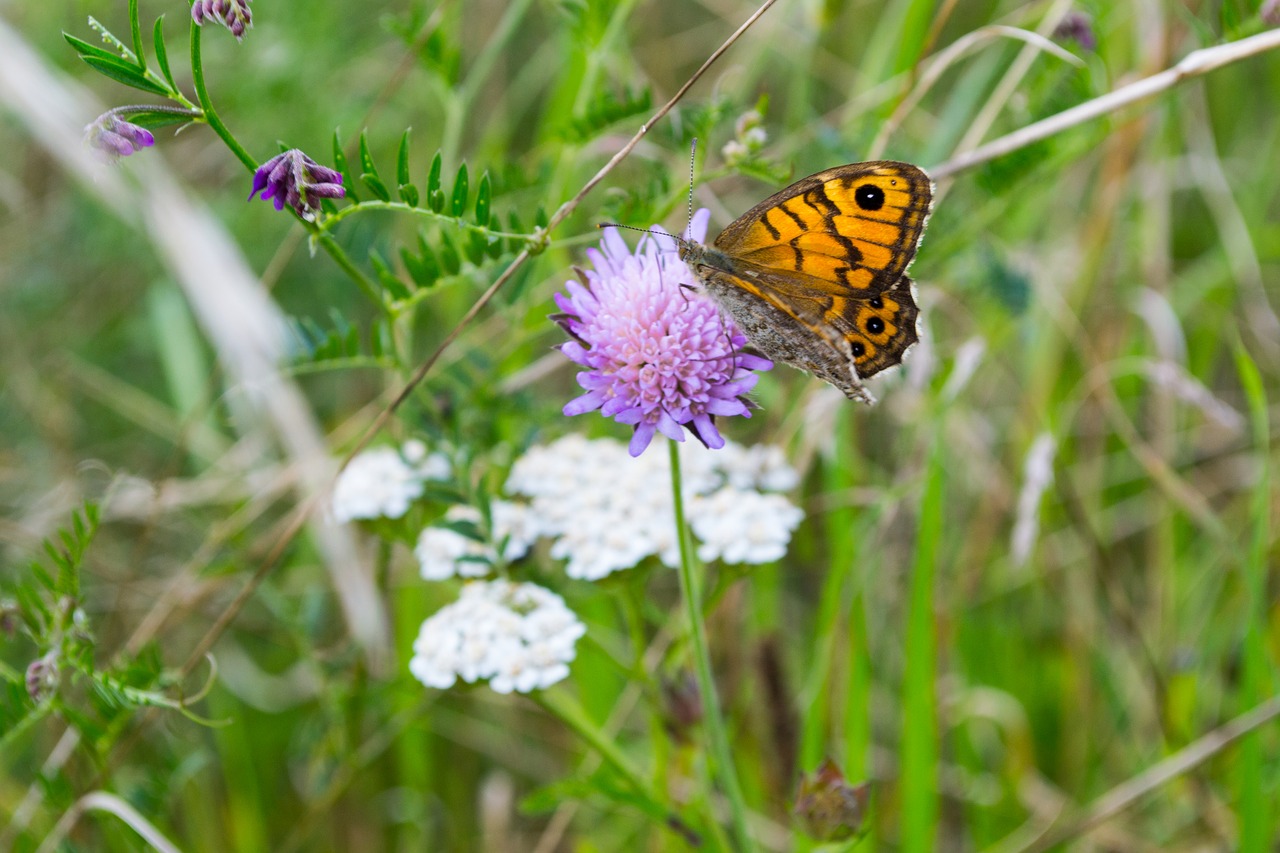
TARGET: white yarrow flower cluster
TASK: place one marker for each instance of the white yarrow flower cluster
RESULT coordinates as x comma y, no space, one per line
384,482
518,636
607,511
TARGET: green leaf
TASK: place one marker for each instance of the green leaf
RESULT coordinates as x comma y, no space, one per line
162,55
449,257
85,49
402,160
390,282
460,190
376,337
369,172
340,163
607,109
540,219
433,179
515,244
366,159
423,268
408,192
436,200
469,529
483,201
380,338
475,246
123,72
156,118
375,185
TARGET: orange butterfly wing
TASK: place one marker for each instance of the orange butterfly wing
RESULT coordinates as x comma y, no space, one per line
854,229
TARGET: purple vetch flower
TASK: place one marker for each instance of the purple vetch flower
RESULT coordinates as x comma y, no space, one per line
1076,26
658,355
233,14
112,137
295,179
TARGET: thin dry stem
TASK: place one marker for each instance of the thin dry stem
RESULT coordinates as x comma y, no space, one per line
1195,64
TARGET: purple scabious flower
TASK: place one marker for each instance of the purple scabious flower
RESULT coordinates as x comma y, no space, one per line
295,179
232,14
113,137
658,354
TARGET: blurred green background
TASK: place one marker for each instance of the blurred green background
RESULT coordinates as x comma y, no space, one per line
994,642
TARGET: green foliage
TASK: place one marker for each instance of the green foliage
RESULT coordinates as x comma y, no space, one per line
1116,280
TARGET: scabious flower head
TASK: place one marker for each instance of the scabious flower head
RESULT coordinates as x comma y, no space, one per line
658,355
232,14
112,137
295,179
606,512
519,636
383,482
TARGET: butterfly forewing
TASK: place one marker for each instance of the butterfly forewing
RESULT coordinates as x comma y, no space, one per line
855,227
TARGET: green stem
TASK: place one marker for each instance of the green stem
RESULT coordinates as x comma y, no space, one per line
713,720
340,257
401,207
560,705
325,241
206,103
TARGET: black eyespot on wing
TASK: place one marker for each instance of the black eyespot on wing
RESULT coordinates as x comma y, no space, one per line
858,350
876,302
875,325
869,197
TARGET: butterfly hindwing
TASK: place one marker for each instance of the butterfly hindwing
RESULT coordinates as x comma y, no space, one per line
854,228
880,329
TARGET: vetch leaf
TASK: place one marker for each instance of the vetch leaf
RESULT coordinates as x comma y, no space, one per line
408,192
475,247
483,201
123,72
402,160
375,185
515,244
162,55
461,188
85,49
390,282
449,257
433,179
366,159
156,118
340,163
370,175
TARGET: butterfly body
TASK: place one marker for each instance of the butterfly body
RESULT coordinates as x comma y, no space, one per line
815,275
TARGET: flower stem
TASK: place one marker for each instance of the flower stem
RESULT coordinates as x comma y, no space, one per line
206,104
713,721
559,704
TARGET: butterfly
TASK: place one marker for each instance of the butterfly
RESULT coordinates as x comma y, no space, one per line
815,275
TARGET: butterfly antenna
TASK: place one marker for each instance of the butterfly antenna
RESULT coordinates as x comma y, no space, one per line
634,228
693,151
